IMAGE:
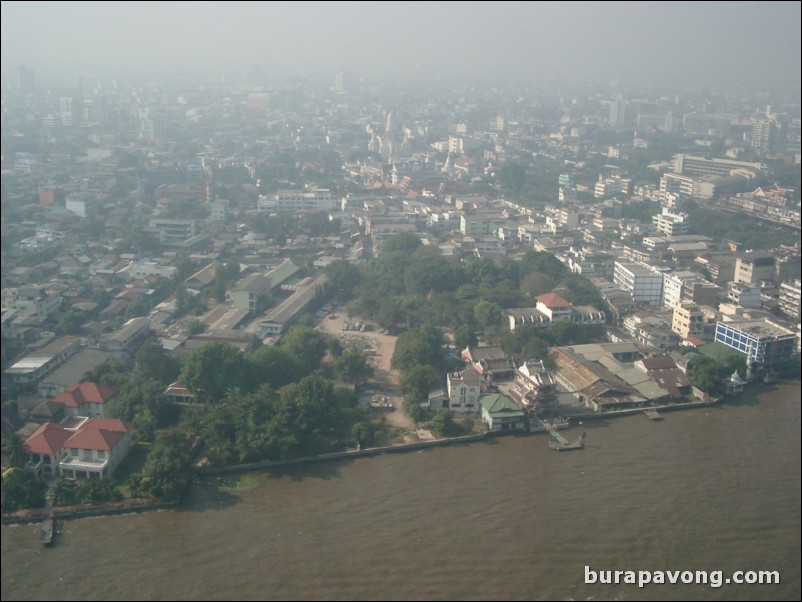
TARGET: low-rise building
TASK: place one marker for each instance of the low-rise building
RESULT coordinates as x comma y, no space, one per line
688,320
500,413
79,448
464,390
85,399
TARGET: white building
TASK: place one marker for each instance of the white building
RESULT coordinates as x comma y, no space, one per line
640,280
297,201
674,285
790,298
671,224
745,295
464,391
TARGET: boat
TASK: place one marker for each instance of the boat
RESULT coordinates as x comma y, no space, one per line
46,531
557,445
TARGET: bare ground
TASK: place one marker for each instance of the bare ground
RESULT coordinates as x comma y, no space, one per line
379,347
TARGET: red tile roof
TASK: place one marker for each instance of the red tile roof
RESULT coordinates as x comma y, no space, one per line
86,392
94,439
48,439
553,301
99,434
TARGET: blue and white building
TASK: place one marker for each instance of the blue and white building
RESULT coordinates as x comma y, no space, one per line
762,341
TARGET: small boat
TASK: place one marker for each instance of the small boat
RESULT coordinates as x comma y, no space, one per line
46,531
559,446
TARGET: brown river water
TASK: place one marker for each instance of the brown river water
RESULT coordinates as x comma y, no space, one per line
506,519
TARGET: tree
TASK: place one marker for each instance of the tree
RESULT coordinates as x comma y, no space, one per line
417,347
428,272
195,326
213,369
565,332
418,381
145,425
351,366
137,395
464,336
401,242
14,452
21,490
71,322
362,434
706,374
274,366
307,345
343,277
544,263
443,423
167,472
488,315
535,284
581,291
152,361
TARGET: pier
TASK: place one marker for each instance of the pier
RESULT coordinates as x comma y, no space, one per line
554,433
653,414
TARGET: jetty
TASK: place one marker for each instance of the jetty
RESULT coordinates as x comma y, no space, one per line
558,445
47,531
552,430
653,414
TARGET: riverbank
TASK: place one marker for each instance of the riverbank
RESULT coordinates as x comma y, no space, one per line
134,505
129,506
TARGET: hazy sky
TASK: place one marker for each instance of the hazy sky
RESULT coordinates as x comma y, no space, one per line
753,43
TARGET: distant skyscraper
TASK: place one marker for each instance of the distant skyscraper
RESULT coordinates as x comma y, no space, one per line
762,136
341,82
618,111
27,80
66,111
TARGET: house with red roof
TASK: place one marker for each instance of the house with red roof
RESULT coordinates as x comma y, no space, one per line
85,399
96,449
551,307
554,307
80,448
44,446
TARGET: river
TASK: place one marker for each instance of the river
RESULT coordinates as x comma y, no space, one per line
709,489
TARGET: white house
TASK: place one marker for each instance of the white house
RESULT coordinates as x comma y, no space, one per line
464,390
96,448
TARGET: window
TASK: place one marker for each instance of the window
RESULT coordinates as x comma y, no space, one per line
101,455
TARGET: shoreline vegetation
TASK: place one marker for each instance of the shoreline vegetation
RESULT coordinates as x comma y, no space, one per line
145,504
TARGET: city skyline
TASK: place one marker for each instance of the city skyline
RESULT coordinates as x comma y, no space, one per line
670,43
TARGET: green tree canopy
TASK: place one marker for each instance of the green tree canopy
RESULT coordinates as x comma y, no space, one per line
401,242
154,362
167,472
213,369
275,366
305,344
417,347
418,381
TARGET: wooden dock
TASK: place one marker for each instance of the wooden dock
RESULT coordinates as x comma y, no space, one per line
555,433
653,414
558,446
47,531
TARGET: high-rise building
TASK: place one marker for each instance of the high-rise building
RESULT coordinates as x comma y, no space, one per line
762,136
790,295
27,80
66,111
618,111
341,82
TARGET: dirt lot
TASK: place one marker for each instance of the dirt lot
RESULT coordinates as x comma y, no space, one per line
384,384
